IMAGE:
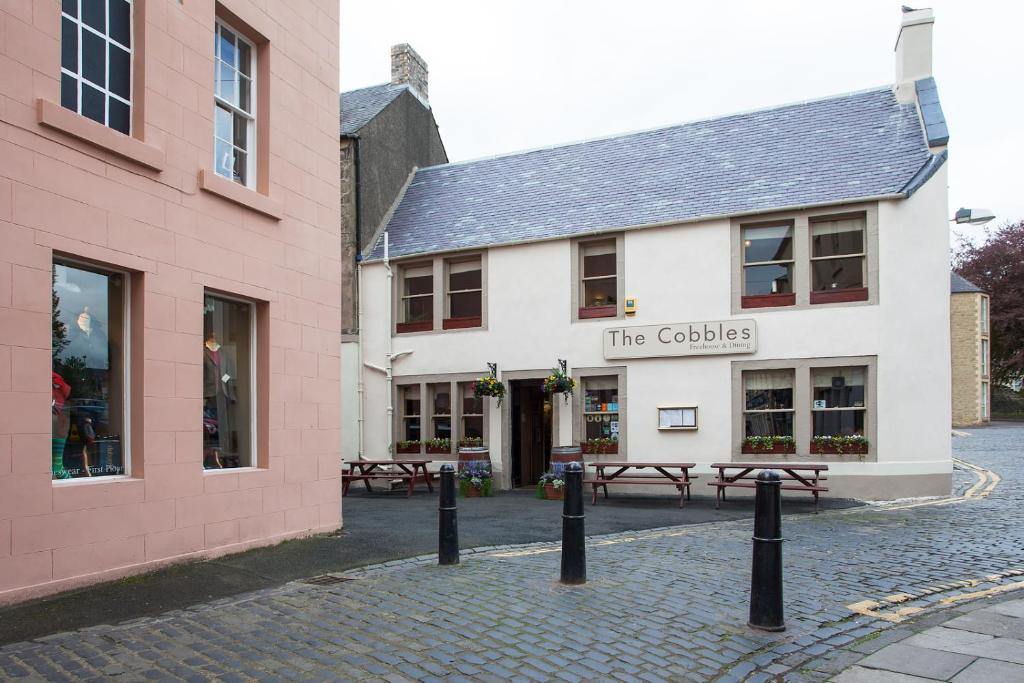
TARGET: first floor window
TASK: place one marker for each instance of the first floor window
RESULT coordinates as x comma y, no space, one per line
88,371
410,402
837,253
768,259
472,413
234,108
768,402
465,289
417,294
984,357
441,411
838,397
599,278
96,60
600,408
228,379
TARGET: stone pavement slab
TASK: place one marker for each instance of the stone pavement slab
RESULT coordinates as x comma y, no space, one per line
917,661
946,639
989,622
859,674
1014,608
990,671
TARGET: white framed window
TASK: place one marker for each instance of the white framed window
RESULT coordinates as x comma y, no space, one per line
229,382
839,401
234,112
417,300
90,378
984,400
838,256
96,61
984,357
768,403
465,290
767,259
984,315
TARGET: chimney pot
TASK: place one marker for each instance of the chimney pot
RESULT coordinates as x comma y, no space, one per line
408,68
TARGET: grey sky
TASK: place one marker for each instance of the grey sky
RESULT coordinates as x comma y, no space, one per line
515,75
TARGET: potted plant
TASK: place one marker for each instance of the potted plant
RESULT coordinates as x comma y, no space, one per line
840,444
438,446
551,486
475,481
407,447
769,444
559,383
602,446
489,386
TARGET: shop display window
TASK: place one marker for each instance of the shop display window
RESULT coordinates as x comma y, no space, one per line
600,408
89,387
228,383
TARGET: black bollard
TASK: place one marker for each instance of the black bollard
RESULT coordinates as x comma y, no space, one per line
766,570
574,553
448,524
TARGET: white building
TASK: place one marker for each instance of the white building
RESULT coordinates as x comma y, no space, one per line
788,272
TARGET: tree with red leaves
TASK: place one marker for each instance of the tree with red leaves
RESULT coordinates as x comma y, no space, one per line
997,267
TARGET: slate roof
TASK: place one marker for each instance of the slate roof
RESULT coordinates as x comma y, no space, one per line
841,148
358,107
958,284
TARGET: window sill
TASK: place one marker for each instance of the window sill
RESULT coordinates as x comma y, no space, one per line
835,296
93,481
231,470
233,192
590,312
71,123
768,300
462,323
424,326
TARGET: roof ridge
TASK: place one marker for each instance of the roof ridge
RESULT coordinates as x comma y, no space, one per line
642,131
371,87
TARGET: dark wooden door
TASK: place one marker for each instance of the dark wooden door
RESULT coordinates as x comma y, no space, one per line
531,426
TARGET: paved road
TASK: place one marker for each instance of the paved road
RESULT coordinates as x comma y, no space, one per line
665,604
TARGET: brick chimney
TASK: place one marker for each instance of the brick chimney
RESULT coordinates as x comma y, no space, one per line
913,51
408,68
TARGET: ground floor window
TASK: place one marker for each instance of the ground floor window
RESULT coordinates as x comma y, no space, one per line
441,410
228,382
600,408
410,402
984,400
768,403
89,311
838,407
472,413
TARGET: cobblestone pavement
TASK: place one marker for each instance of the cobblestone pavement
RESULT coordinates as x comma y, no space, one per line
665,604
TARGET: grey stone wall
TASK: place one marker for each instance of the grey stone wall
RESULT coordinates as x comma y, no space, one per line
349,289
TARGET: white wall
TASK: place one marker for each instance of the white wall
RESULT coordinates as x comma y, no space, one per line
682,274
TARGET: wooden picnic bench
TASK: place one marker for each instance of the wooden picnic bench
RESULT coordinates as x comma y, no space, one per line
666,476
410,471
802,477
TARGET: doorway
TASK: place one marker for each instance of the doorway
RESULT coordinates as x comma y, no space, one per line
530,426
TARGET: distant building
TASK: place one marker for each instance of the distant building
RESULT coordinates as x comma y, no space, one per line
387,132
970,352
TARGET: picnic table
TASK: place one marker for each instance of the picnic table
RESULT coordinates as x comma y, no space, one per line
410,471
797,477
666,475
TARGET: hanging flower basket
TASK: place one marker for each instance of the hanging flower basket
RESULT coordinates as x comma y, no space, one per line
489,385
559,383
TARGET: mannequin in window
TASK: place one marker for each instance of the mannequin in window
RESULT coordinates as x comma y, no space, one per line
219,380
61,422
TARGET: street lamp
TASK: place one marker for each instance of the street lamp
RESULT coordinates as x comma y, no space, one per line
973,216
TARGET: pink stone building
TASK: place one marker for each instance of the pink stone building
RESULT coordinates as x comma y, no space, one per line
169,283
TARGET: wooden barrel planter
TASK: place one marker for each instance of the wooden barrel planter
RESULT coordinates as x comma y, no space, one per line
563,455
475,455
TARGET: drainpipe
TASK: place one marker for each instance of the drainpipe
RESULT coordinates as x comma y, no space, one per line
359,322
387,351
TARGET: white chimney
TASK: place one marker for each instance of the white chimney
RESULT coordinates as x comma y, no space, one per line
408,68
913,51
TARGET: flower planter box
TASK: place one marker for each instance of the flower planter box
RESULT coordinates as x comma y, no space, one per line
595,450
551,493
829,449
415,450
437,450
778,448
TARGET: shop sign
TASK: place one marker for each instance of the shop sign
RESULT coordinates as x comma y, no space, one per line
681,339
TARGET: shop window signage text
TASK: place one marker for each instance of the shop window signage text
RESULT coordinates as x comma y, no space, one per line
681,339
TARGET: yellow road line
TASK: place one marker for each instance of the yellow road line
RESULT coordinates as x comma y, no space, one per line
874,608
983,594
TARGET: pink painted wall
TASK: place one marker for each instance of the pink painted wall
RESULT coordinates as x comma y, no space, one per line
60,192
